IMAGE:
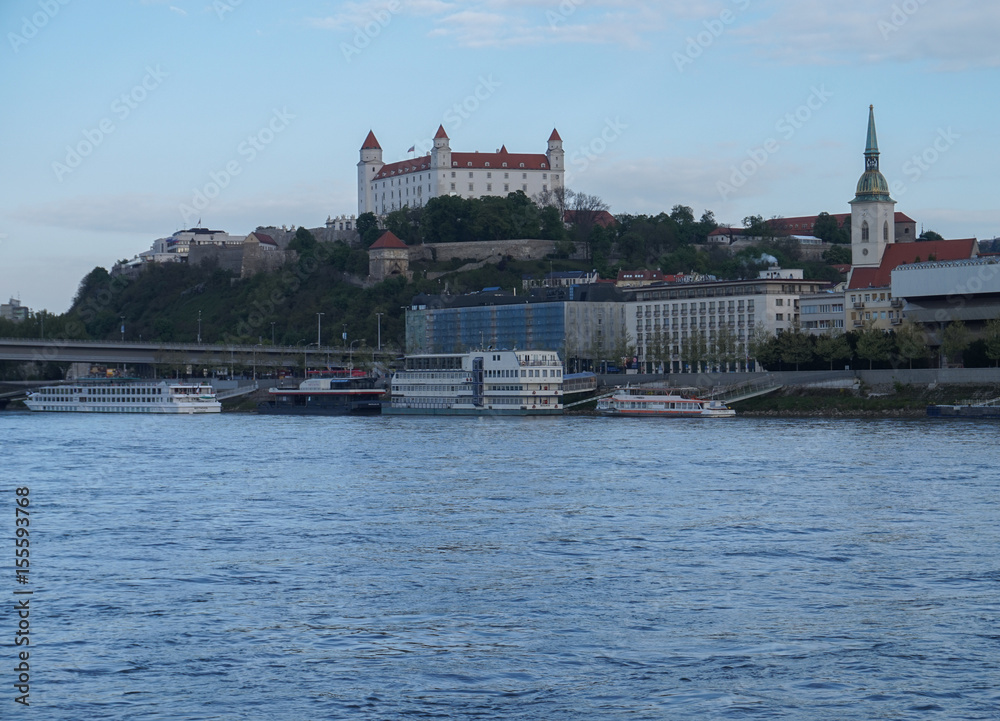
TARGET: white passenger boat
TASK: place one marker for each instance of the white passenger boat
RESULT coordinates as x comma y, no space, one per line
661,402
485,382
125,397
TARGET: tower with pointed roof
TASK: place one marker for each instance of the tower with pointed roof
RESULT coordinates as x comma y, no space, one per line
873,225
441,155
556,154
368,167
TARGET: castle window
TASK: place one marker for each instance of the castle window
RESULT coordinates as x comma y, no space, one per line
470,173
524,176
864,232
545,176
504,165
471,188
454,163
453,173
489,175
506,176
506,188
489,187
487,165
543,165
469,164
522,165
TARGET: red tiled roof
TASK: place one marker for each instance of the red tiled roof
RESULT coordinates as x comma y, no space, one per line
897,254
806,222
370,142
555,136
264,238
602,218
440,133
388,240
404,166
514,161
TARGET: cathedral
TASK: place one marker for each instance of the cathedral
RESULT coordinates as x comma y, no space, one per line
411,183
873,224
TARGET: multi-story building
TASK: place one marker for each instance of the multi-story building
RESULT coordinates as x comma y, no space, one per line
14,311
411,183
822,312
682,327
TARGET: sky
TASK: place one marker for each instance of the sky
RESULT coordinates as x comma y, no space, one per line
124,121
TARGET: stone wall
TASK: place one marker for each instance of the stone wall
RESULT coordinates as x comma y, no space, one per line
523,249
228,258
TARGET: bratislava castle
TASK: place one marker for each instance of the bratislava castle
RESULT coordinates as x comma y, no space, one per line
384,188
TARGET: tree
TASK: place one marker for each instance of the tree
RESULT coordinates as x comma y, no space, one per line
725,348
992,339
304,241
837,255
929,235
763,346
584,211
954,340
694,351
795,347
827,229
910,342
368,228
832,346
873,344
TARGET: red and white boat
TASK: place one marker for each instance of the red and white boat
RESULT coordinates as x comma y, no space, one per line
660,402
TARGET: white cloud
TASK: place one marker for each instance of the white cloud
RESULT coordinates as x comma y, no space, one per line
179,11
949,36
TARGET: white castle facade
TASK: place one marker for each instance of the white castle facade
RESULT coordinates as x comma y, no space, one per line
411,183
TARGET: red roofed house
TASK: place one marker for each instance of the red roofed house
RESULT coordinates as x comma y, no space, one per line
388,256
384,188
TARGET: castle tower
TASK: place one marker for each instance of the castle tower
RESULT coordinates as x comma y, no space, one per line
441,155
368,166
873,217
388,256
557,157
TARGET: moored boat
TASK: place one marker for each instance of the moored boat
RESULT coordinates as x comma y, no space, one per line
125,396
481,382
331,393
660,402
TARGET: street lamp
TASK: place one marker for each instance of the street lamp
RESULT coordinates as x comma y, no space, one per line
272,332
379,316
319,318
123,329
199,327
255,360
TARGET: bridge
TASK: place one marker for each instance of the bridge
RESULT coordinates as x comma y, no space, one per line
182,354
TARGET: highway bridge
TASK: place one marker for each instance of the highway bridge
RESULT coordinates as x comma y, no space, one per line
201,355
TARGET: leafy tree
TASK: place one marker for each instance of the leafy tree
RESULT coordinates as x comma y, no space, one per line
837,255
304,242
368,228
833,346
954,340
763,346
873,344
827,229
725,349
910,342
694,351
992,340
929,235
795,347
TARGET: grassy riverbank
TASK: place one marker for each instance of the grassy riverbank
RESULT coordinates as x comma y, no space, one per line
893,401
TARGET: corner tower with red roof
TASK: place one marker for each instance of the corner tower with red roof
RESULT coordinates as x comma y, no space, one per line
412,183
368,167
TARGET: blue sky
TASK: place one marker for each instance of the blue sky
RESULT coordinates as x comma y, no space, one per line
119,116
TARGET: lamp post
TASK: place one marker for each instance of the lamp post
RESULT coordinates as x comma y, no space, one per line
379,316
255,360
350,354
123,329
199,327
319,318
272,332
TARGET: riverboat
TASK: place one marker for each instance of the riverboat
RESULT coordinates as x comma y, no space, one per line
125,396
660,402
332,393
483,382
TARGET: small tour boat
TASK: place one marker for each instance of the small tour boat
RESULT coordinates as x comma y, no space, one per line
660,402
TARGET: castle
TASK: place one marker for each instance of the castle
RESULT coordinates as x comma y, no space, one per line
384,188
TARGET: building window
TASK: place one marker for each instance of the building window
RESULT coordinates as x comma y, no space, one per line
471,187
489,187
453,173
885,230
506,188
864,232
470,173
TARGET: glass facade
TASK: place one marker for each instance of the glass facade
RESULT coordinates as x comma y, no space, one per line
529,326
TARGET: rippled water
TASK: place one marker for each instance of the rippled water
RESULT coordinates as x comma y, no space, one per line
244,567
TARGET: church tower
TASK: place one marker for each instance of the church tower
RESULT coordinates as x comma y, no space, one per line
873,217
368,167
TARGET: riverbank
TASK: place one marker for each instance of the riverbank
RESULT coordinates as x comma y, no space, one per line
895,401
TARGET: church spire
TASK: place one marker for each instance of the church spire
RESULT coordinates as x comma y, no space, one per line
871,147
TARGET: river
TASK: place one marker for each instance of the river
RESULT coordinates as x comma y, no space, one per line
251,567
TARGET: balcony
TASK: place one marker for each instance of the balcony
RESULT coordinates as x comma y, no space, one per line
896,321
859,305
858,323
896,303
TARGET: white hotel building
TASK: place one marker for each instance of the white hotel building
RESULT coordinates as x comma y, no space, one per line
384,188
